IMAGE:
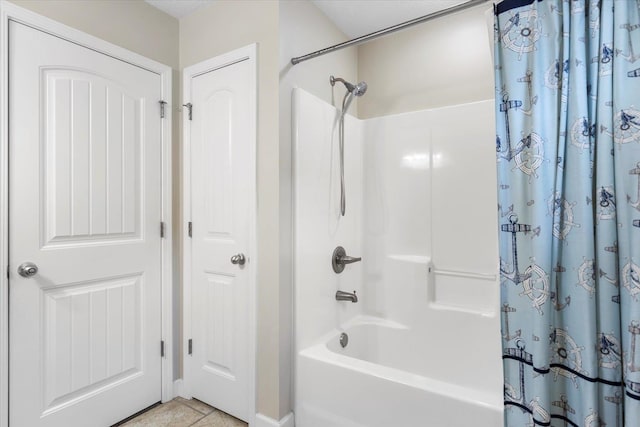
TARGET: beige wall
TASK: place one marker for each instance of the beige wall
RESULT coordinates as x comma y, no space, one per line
132,24
441,62
223,26
303,29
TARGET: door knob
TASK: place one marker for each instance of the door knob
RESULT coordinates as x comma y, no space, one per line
238,259
27,269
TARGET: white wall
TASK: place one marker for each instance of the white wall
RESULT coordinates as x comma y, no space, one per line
134,24
446,61
318,226
430,194
215,29
303,28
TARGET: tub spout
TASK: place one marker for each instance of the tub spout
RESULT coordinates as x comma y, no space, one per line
346,296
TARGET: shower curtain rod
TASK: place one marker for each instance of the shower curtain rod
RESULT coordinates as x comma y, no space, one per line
389,30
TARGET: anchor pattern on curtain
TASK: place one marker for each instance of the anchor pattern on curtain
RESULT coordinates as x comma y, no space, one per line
568,156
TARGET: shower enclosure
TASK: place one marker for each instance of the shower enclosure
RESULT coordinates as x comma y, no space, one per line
421,346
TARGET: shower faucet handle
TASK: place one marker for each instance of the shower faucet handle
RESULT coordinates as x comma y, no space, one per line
340,259
349,259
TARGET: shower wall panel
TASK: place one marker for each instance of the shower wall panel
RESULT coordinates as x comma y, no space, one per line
318,226
430,202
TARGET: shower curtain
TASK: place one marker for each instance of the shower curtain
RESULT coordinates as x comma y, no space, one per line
568,150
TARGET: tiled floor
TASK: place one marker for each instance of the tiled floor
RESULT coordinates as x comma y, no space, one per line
184,413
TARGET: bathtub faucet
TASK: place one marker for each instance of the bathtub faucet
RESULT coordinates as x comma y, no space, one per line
346,296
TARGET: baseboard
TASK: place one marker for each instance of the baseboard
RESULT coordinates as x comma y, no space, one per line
286,421
178,388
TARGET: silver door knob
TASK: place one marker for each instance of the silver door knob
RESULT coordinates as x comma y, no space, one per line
27,269
238,259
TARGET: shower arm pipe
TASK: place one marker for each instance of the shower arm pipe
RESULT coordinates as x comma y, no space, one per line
389,30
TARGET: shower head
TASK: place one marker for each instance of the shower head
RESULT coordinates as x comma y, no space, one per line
360,89
357,90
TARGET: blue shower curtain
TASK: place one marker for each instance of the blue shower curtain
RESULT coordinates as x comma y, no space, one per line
568,150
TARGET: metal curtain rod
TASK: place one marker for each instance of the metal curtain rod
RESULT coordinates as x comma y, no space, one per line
389,30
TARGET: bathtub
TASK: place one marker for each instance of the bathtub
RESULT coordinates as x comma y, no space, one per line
391,376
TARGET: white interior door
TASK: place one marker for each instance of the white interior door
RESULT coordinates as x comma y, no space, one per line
221,192
85,207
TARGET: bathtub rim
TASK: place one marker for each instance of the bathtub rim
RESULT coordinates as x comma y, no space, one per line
321,352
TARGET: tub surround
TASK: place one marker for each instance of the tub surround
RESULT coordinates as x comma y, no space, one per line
423,336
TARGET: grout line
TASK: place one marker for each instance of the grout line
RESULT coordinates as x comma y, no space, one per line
191,425
182,402
185,402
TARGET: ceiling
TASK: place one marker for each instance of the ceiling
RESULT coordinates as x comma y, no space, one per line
178,8
354,17
359,17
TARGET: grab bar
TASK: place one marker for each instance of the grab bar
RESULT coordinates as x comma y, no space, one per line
465,274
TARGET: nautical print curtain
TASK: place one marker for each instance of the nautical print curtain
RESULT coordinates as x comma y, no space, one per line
568,150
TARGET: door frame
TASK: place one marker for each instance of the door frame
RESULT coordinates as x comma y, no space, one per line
10,12
246,53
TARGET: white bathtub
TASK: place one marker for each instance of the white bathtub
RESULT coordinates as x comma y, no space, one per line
388,376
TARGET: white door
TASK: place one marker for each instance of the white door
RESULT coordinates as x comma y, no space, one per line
85,207
222,174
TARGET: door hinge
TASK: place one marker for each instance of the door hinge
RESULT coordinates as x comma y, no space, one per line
190,228
162,348
8,271
162,229
190,346
162,104
190,107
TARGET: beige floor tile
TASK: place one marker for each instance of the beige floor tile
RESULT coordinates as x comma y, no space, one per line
196,404
219,419
170,414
